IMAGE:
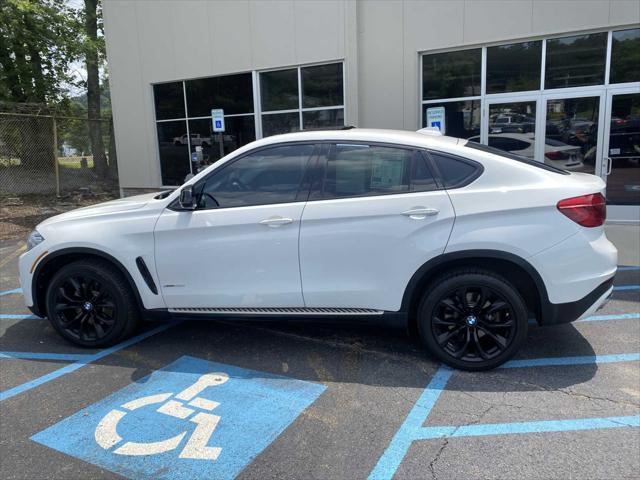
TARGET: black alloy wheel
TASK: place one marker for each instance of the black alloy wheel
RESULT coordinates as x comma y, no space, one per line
85,308
473,320
91,304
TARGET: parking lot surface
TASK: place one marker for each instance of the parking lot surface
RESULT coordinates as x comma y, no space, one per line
262,400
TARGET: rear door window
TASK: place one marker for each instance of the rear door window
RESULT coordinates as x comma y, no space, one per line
356,170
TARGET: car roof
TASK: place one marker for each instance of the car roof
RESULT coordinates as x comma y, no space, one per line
400,137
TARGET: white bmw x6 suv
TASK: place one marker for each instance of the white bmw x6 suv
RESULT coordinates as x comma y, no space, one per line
458,242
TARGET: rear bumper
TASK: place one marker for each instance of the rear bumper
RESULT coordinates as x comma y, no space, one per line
557,313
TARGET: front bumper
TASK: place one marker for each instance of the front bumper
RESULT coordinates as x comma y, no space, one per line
557,313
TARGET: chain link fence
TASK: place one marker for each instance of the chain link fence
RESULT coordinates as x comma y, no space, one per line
48,154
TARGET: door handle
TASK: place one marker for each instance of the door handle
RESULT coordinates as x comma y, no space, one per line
276,221
418,213
609,165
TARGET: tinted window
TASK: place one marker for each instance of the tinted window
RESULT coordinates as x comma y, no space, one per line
275,123
169,100
233,93
451,74
268,176
323,118
421,178
279,90
454,172
514,68
575,61
462,119
513,156
322,85
625,56
238,132
362,170
173,148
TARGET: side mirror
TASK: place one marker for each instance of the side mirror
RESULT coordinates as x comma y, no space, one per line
187,198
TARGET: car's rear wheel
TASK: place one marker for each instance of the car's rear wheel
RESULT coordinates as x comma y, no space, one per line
472,319
91,304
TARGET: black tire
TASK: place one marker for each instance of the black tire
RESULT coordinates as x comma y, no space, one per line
91,304
468,331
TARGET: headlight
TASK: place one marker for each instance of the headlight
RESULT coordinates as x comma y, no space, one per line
34,239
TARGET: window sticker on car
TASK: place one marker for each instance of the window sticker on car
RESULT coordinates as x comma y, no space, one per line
386,172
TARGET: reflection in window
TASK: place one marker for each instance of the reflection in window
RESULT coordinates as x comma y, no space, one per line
275,123
623,184
233,93
323,118
361,170
279,90
514,68
173,147
169,100
512,127
571,133
239,131
322,86
625,56
576,61
462,119
451,74
269,176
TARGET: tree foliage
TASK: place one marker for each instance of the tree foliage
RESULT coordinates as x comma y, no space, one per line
38,42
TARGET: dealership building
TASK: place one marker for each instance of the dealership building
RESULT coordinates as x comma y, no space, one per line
556,81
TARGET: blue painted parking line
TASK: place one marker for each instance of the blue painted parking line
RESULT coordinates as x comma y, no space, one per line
603,318
192,419
36,382
70,357
11,292
412,428
581,360
10,316
622,288
427,433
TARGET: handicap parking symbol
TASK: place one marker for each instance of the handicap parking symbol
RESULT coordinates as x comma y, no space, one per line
192,419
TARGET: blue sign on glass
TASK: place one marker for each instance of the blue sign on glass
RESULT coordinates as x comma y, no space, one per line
192,419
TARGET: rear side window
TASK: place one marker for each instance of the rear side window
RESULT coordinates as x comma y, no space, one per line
454,171
365,170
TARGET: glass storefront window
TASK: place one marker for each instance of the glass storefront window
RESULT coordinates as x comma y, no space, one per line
462,119
323,118
451,74
275,123
571,133
233,93
623,183
238,132
576,61
173,146
512,127
322,86
279,90
514,68
625,56
169,100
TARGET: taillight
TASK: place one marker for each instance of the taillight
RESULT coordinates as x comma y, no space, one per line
556,155
586,210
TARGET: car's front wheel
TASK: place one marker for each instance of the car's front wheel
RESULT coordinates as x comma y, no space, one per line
472,319
91,304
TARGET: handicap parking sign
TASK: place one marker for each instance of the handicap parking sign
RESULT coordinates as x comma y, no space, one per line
192,419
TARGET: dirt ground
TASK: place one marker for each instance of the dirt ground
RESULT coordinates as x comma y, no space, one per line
19,215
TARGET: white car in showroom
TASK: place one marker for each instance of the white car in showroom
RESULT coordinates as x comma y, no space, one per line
458,242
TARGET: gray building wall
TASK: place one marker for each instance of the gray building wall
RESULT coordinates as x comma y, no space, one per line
157,41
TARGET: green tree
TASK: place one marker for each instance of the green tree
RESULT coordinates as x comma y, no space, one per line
38,41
